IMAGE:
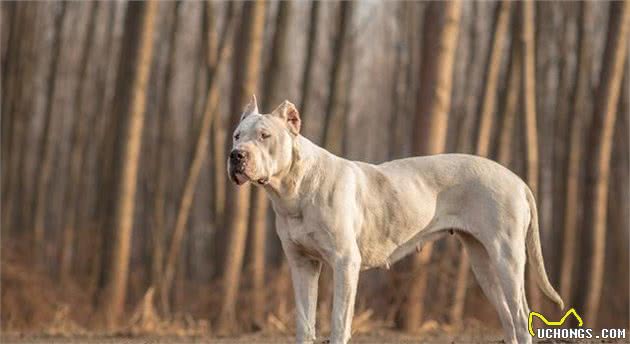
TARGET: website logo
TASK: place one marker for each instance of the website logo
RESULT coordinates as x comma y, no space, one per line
553,323
554,330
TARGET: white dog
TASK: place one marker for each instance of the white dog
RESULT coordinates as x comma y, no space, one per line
355,216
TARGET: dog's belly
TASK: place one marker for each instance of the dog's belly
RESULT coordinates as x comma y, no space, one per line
375,254
385,256
381,249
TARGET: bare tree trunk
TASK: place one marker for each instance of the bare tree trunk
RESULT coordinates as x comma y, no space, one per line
218,153
15,71
506,134
21,204
334,126
486,112
77,154
138,51
249,43
44,168
10,67
441,28
305,103
104,134
214,170
559,137
580,112
398,82
218,171
201,150
486,115
8,20
466,128
164,153
604,121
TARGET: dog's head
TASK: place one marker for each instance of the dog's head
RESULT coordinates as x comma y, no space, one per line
263,143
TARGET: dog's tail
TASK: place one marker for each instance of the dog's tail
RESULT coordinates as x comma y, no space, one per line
534,252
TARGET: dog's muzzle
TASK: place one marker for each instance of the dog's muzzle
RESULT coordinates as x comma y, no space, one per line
238,160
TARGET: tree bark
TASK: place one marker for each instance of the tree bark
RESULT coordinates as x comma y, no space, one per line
104,134
465,142
10,64
164,153
559,137
218,168
137,52
249,45
15,72
398,82
334,126
77,153
44,167
510,109
486,112
599,169
441,28
307,73
580,112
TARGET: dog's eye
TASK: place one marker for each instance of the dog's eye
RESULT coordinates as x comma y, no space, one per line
265,136
237,135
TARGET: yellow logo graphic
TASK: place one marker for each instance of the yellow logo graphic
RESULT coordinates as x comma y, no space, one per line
553,323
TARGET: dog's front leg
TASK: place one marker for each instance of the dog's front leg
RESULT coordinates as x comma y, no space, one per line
346,277
304,274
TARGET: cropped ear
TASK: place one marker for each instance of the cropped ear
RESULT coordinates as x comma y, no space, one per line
250,108
290,115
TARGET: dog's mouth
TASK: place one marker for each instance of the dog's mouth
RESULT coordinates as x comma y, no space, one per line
237,174
240,177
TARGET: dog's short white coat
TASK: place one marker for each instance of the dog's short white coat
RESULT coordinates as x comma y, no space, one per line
354,215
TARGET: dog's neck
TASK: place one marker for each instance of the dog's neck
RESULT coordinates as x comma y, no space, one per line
285,187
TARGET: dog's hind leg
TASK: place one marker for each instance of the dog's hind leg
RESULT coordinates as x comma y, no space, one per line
490,283
511,272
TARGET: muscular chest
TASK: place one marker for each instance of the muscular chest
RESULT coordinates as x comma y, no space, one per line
307,234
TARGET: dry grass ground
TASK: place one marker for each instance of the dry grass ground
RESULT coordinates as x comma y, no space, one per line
36,310
384,337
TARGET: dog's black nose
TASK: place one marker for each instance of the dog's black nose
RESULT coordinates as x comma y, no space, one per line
238,155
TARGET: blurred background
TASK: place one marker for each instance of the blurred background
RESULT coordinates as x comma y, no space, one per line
117,213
